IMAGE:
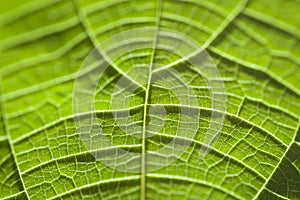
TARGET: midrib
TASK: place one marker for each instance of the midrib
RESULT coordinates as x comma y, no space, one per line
143,156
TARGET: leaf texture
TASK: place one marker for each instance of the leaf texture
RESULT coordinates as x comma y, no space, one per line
255,45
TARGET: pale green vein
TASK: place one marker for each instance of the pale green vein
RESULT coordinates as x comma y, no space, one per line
40,165
39,33
118,195
208,6
4,159
23,64
50,83
228,20
3,138
143,156
256,67
280,196
231,115
276,107
187,21
200,182
102,5
278,164
14,196
213,149
69,117
113,180
25,9
244,97
92,36
274,22
10,141
121,22
42,58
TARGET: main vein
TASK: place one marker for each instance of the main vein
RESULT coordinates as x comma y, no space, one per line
143,156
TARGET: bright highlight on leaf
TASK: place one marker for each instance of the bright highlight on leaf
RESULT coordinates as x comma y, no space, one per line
204,101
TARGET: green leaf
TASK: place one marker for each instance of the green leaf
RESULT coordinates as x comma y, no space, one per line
255,46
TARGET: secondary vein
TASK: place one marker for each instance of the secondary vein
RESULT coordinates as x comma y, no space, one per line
10,140
96,44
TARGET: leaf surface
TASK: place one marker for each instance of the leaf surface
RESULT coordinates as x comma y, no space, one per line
255,45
